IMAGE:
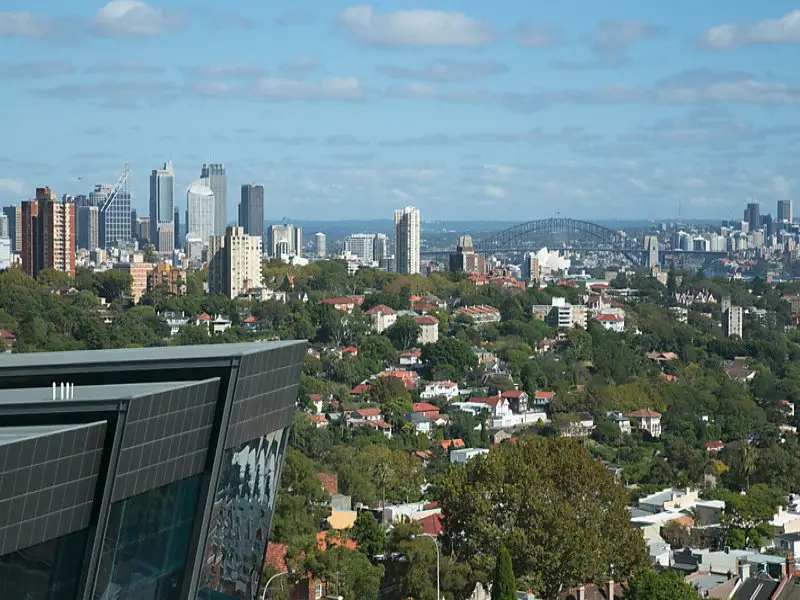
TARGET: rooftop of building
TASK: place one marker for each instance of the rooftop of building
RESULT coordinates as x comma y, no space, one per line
82,358
10,435
91,393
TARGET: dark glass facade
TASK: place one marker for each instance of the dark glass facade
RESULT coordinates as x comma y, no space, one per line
48,571
144,553
240,522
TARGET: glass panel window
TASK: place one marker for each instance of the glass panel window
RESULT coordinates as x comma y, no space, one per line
241,517
147,539
48,571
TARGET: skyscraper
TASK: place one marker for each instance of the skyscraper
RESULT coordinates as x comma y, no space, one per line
251,210
362,245
785,211
651,247
752,214
114,212
321,243
48,234
4,226
176,225
465,259
293,236
218,181
234,263
162,207
14,215
200,207
406,240
380,247
88,227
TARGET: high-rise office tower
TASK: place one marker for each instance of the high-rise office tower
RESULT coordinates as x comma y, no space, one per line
465,259
406,240
200,207
321,242
162,208
785,211
234,263
176,225
114,216
88,227
4,226
218,181
768,225
752,214
362,245
293,236
143,230
251,210
48,236
14,215
380,247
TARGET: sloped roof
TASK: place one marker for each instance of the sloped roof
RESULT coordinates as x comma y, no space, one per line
381,309
330,481
424,407
426,320
512,394
644,413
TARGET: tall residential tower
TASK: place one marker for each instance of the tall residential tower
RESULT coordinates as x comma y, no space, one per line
251,210
406,240
200,206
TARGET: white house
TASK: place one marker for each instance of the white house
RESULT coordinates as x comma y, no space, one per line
421,423
428,329
498,406
518,400
382,317
461,456
440,389
611,322
647,419
620,420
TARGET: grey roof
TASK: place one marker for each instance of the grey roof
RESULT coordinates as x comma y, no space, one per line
93,392
416,418
10,435
132,355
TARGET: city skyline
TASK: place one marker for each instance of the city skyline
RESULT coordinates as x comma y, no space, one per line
630,109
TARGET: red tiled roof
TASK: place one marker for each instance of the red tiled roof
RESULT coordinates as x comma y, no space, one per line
203,317
276,555
324,542
431,505
380,424
369,412
607,318
424,407
316,418
249,320
643,413
479,309
423,307
381,309
350,350
718,445
513,394
432,525
361,388
414,353
314,397
423,454
454,443
669,377
493,401
357,300
7,335
330,482
426,320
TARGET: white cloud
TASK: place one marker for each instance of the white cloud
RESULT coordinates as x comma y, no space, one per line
702,85
226,71
416,27
25,24
274,89
132,18
494,191
616,36
446,71
536,35
14,186
36,69
785,30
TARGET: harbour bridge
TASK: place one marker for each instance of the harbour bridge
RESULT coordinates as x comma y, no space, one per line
520,238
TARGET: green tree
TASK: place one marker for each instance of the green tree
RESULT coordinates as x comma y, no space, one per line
404,333
449,357
369,535
569,519
348,572
301,504
646,584
504,585
115,284
150,254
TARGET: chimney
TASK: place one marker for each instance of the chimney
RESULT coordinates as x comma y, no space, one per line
744,571
790,567
610,589
582,592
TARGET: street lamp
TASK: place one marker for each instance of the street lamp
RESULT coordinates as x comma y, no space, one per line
435,543
266,586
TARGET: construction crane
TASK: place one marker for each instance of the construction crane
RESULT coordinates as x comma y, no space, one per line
121,186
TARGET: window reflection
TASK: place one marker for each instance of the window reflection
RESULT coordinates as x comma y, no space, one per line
144,552
240,521
48,571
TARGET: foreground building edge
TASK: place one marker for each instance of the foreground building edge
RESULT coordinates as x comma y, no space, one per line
169,482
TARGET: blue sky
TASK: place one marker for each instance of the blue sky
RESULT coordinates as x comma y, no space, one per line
467,109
